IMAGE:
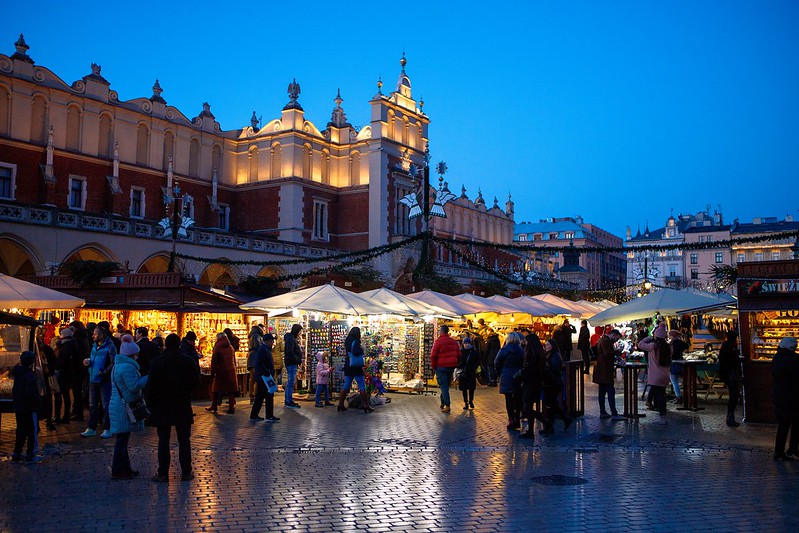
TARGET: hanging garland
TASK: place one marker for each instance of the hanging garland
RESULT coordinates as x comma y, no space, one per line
379,250
347,259
726,243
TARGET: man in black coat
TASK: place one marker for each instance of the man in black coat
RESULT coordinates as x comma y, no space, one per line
584,345
173,377
263,365
147,350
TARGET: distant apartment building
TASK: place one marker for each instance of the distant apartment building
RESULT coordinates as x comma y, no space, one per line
775,250
699,263
695,268
593,271
663,268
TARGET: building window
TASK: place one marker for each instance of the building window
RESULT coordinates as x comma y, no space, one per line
694,273
402,223
758,256
553,236
694,259
523,237
775,256
8,174
224,217
137,202
76,198
538,237
719,257
710,238
569,235
672,271
320,221
741,258
701,238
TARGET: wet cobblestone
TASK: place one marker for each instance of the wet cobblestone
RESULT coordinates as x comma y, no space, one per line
409,467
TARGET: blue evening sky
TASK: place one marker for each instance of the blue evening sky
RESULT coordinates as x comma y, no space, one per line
617,111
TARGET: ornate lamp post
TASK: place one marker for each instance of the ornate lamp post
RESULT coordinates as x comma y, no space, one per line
174,224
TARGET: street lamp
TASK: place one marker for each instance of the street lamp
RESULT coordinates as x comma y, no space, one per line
174,224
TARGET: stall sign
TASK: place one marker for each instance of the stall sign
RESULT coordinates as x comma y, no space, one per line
769,286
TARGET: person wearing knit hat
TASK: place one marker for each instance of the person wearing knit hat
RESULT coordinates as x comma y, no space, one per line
126,386
660,331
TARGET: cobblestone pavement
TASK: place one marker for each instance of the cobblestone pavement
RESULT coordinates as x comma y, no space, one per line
409,467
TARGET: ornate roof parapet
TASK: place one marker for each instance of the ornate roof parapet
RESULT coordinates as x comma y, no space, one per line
509,206
157,90
463,192
294,93
22,50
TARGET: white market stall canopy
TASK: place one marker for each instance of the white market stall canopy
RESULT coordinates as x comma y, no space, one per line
663,301
451,304
324,299
404,305
484,304
15,293
538,307
573,308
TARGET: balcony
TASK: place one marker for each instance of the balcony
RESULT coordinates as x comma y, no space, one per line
673,281
117,225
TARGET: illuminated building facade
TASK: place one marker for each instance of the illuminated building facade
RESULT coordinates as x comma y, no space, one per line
87,175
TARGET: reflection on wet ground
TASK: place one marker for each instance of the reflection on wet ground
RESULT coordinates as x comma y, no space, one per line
409,467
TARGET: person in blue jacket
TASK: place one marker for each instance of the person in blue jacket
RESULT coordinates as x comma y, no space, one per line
126,386
100,363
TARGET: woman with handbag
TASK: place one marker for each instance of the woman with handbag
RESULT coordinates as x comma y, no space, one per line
467,372
126,387
354,362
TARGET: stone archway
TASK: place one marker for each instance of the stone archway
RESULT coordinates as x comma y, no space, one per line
155,265
217,276
16,258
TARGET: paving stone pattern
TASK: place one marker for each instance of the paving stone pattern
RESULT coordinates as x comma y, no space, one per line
409,467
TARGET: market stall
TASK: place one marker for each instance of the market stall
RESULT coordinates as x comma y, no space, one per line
327,313
768,307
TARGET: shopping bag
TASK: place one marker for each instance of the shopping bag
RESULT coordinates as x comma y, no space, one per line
271,384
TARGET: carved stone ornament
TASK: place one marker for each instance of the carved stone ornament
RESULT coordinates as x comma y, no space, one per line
294,93
339,118
113,184
22,50
157,90
206,112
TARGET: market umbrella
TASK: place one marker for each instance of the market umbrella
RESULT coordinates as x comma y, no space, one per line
452,305
537,307
325,299
663,301
404,305
15,293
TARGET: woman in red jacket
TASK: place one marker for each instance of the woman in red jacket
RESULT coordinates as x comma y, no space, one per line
223,374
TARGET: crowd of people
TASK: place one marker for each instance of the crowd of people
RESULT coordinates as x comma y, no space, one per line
89,366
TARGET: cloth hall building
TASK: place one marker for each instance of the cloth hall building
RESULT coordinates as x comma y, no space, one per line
85,174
